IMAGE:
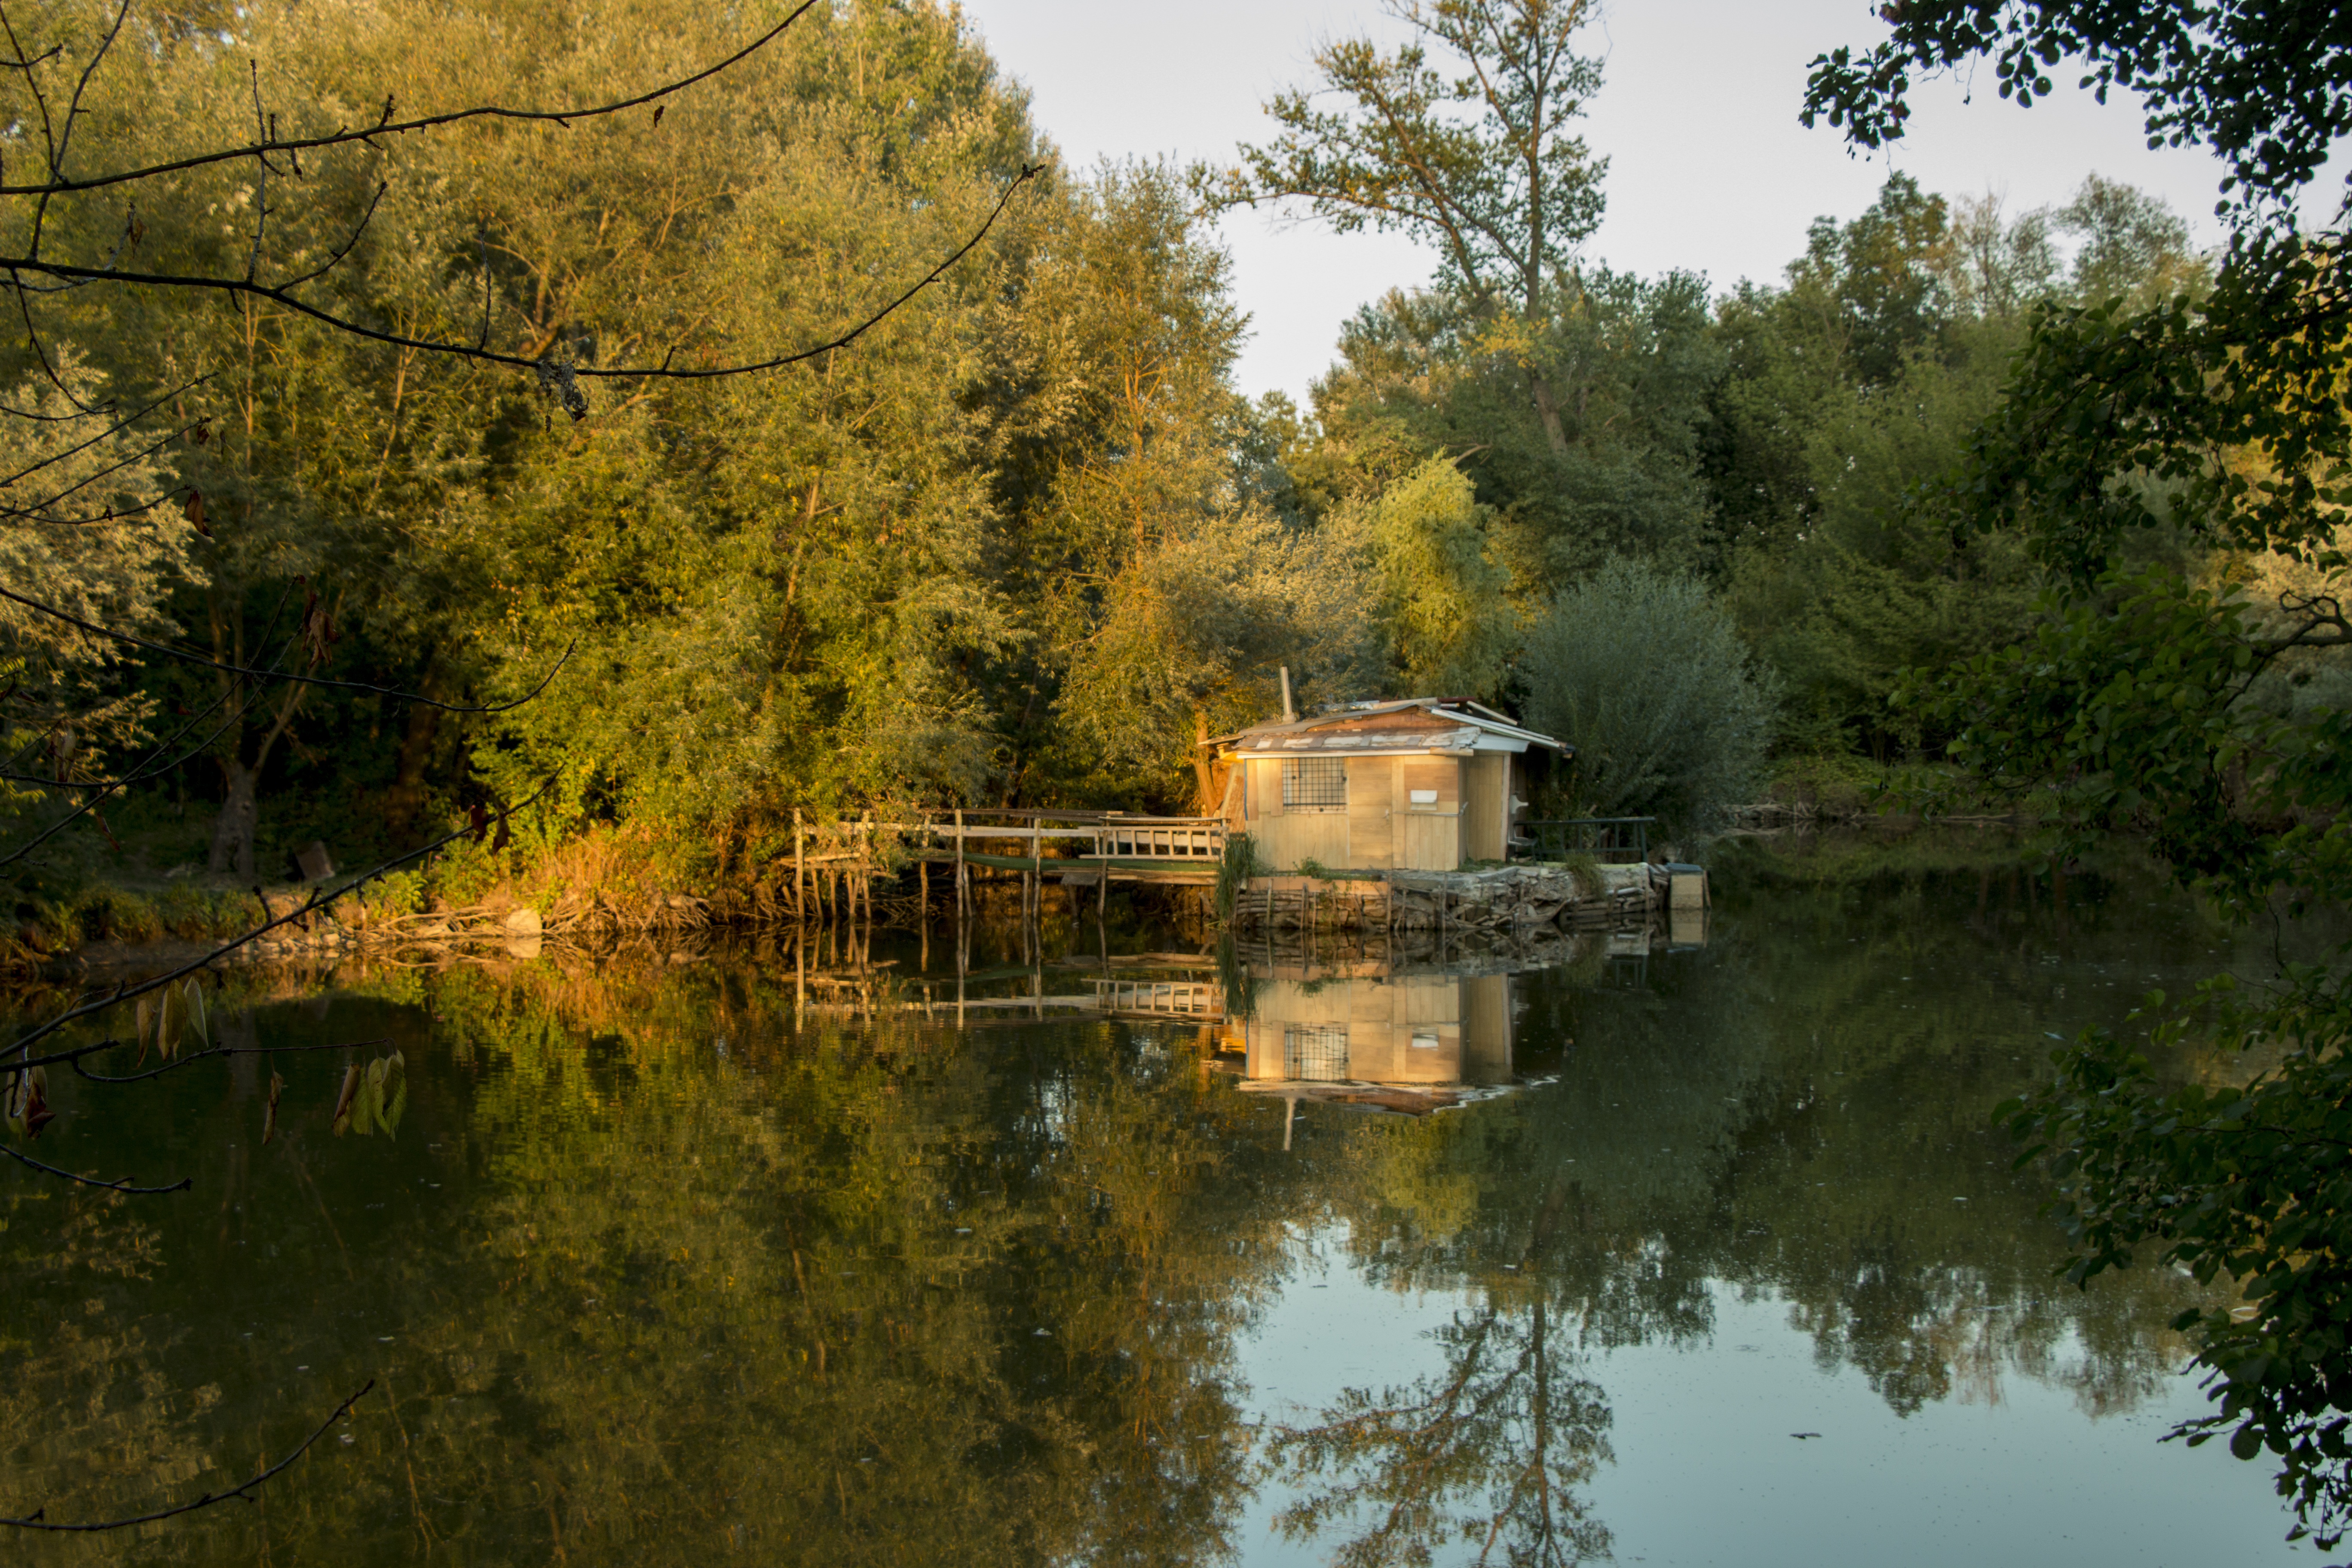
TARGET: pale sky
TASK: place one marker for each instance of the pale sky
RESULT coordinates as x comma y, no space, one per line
1708,171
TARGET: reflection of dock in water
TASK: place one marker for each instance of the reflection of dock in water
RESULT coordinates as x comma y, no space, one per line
1371,1033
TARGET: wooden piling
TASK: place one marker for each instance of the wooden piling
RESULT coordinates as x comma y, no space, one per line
800,871
959,880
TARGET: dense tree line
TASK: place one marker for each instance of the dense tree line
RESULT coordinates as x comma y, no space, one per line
1023,542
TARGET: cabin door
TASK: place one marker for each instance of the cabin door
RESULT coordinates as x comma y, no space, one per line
1371,794
1429,829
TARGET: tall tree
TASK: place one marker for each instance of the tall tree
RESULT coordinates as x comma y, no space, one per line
1474,155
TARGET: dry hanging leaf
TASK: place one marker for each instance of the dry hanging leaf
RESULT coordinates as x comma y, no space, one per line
269,1112
143,1021
24,1101
351,1076
167,1025
393,1099
192,1003
195,509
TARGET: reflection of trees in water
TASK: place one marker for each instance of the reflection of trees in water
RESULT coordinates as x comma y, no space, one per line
1777,1117
864,1295
881,1295
1490,1453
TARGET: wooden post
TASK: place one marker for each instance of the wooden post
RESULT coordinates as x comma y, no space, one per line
866,871
958,888
800,871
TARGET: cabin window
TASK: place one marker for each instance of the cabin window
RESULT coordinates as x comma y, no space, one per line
1316,1056
1314,784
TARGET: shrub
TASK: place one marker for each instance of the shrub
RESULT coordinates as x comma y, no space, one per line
1642,672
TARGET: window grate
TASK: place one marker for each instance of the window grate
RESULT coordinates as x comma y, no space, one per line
1314,1056
1314,784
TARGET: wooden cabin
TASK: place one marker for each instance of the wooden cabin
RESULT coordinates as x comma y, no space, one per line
1421,784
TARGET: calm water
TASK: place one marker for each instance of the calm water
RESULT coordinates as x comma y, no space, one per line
703,1261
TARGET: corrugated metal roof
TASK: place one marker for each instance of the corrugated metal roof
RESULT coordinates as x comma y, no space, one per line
1419,723
1289,738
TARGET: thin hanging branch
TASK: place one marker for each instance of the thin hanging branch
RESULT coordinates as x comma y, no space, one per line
58,185
15,267
243,1493
201,662
318,899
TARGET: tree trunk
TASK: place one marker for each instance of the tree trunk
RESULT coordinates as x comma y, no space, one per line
1547,410
407,792
1203,780
240,815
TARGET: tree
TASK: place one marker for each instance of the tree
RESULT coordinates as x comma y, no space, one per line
272,364
1834,433
2137,707
1481,164
1157,590
1644,675
1443,598
1633,361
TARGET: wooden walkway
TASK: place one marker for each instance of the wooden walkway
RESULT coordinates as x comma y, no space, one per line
1080,848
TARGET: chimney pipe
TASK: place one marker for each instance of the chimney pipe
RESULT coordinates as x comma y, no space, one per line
1290,714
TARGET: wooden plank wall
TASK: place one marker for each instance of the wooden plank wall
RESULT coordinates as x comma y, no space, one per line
1381,826
1371,797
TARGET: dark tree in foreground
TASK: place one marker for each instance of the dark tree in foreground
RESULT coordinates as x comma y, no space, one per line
98,522
2203,712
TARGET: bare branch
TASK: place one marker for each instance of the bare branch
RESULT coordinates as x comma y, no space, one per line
345,249
279,295
242,1493
57,184
360,686
74,1057
125,1186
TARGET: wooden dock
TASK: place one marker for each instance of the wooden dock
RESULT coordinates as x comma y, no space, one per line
834,865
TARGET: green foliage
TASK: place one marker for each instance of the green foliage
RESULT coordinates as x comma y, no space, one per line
1642,672
2237,1183
101,552
1443,596
1612,468
1874,579
2149,700
1854,395
1479,163
2262,84
1235,867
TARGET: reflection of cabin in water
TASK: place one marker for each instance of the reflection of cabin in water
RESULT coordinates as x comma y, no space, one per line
1424,1031
1421,784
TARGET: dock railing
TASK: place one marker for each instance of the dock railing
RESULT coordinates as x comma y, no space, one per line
1612,840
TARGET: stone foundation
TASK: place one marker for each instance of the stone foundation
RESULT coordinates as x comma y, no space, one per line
1506,897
